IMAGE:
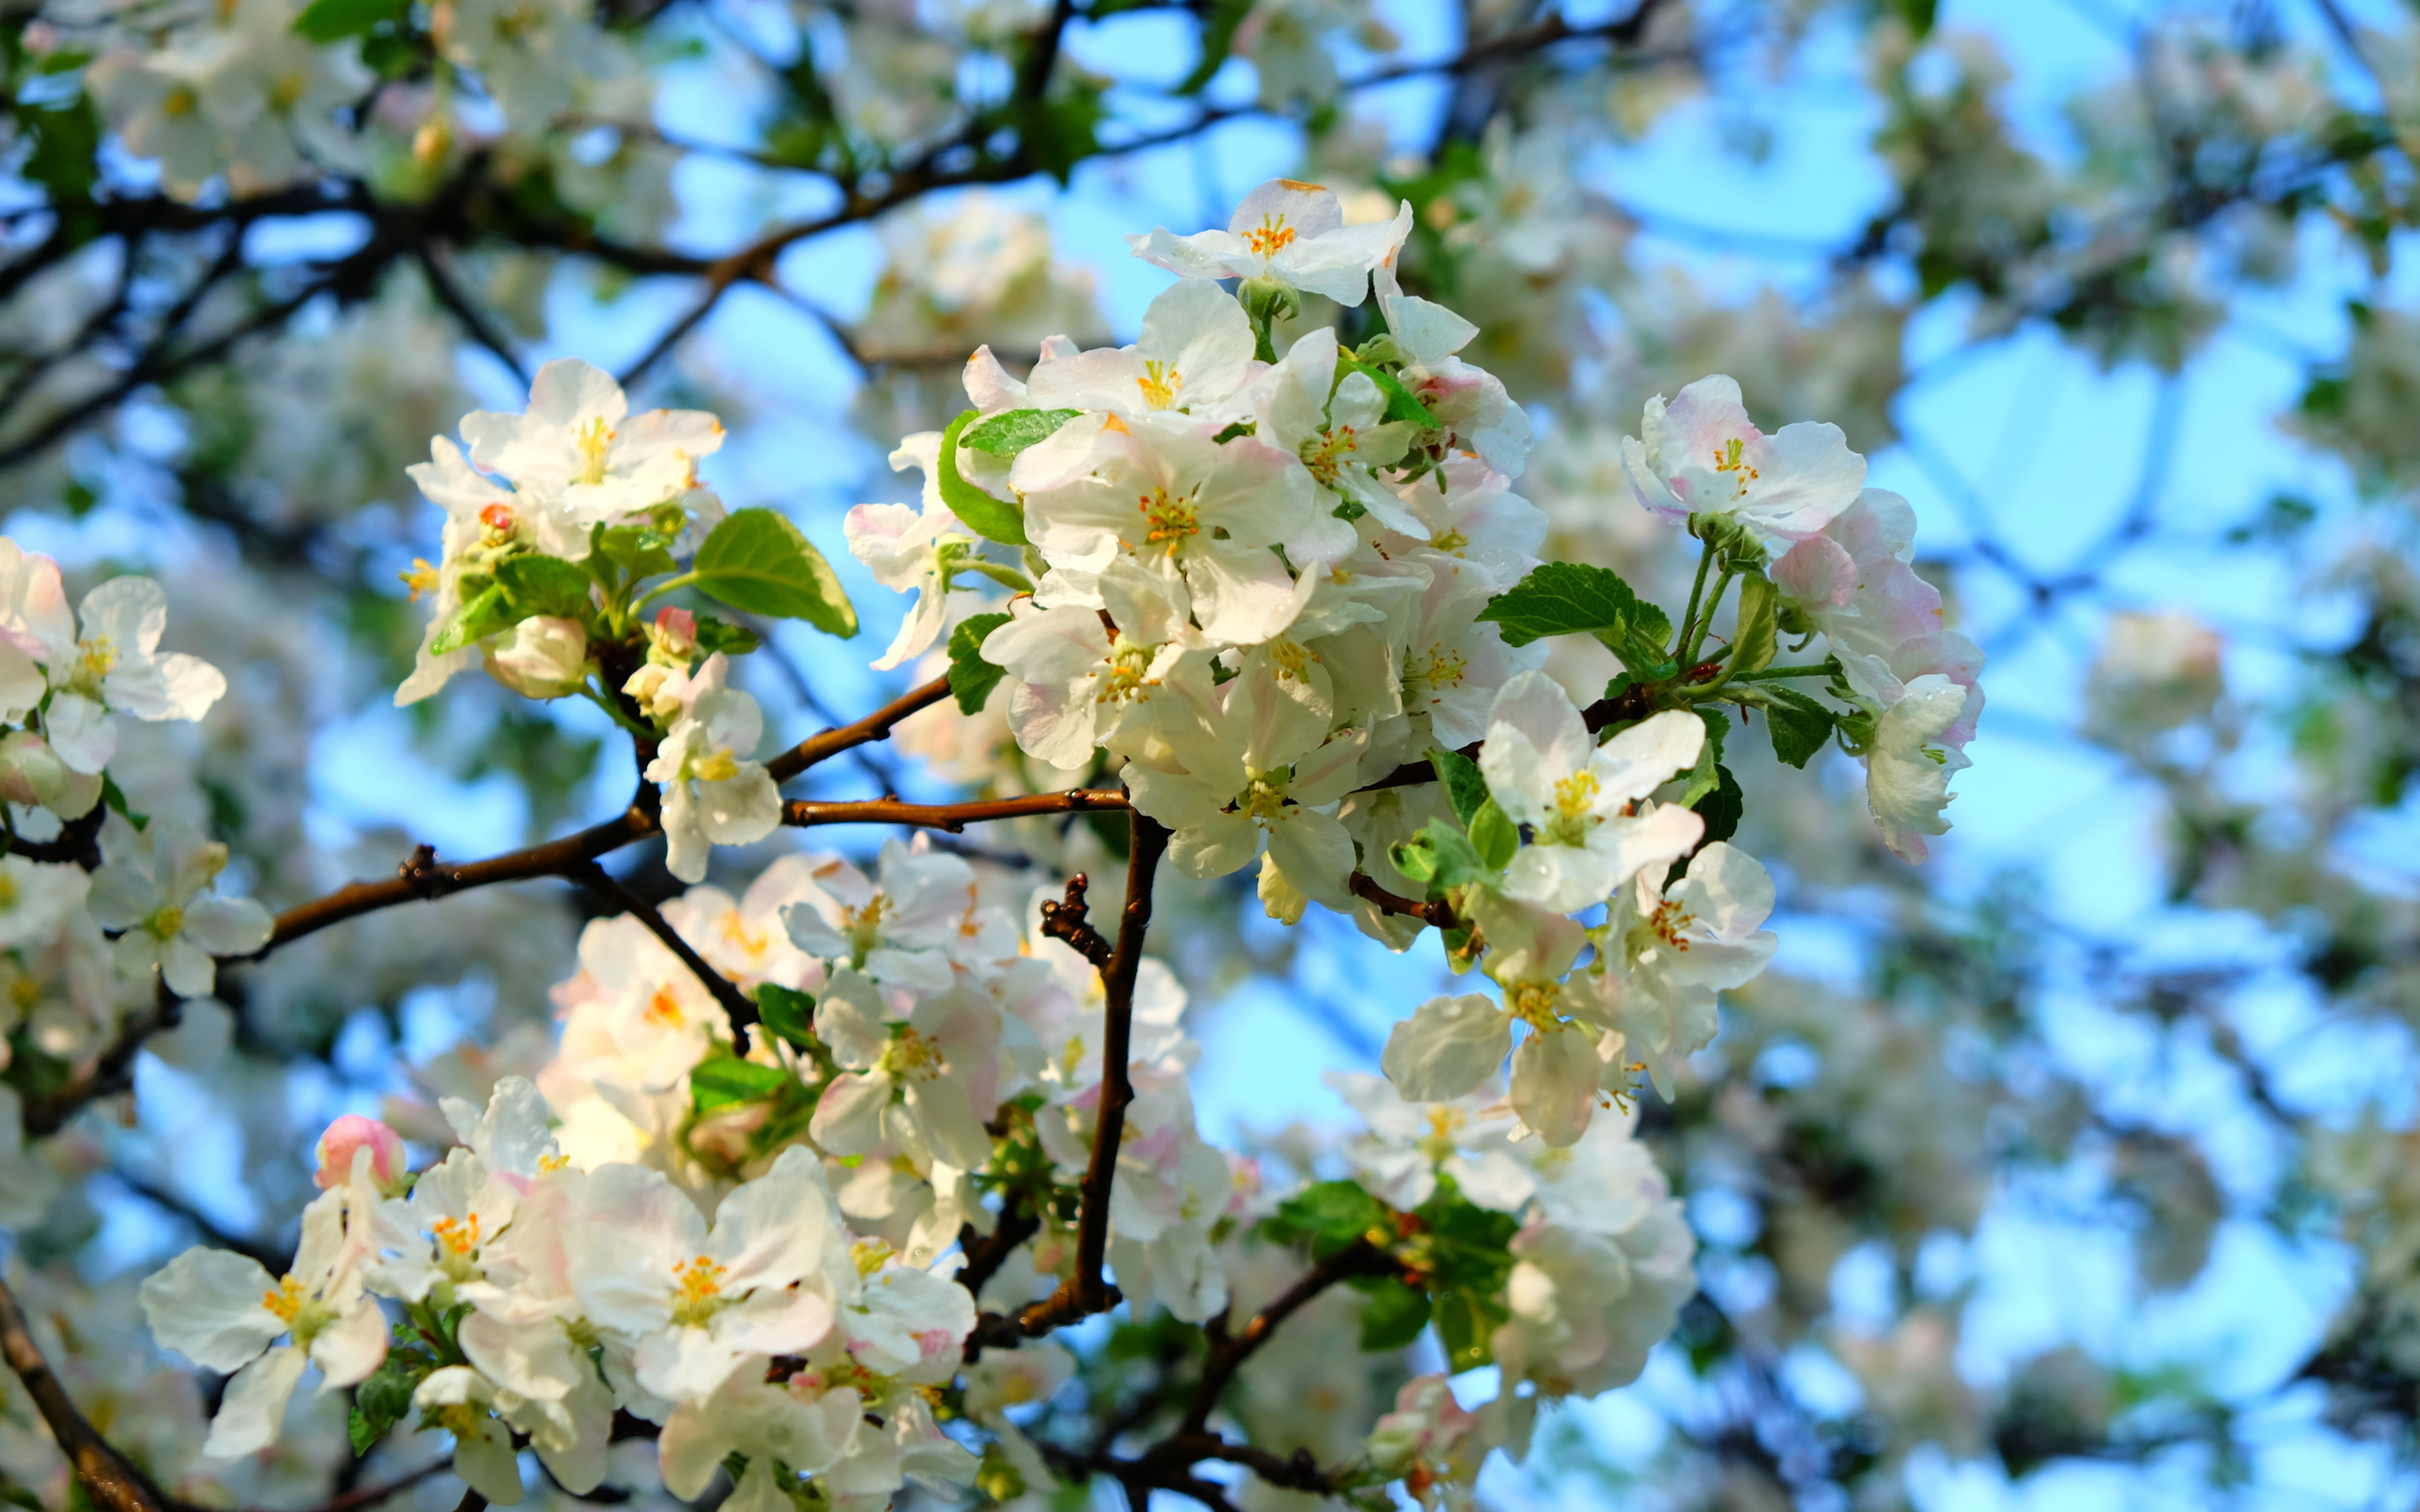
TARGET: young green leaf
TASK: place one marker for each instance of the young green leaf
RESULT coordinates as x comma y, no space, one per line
1493,836
1721,806
1799,726
639,550
980,512
1012,431
1702,779
715,635
1393,1315
1326,1215
971,678
331,21
757,560
790,1013
1401,403
722,1080
1757,638
385,1398
485,612
1464,787
536,584
1574,598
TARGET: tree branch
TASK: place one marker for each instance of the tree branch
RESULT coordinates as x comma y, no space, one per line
113,1072
113,1484
738,1005
1439,914
1228,1352
1087,1291
952,817
874,727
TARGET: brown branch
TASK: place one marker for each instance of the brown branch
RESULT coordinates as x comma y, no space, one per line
874,727
422,878
1439,914
738,1005
113,1072
372,1495
952,817
1070,919
1088,1292
78,842
113,1484
1228,1352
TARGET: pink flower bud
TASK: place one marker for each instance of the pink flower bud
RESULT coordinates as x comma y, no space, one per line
352,1132
677,629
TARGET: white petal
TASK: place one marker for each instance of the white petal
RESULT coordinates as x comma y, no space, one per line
254,1407
205,1304
1447,1048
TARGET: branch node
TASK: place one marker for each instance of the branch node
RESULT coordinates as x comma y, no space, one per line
1069,918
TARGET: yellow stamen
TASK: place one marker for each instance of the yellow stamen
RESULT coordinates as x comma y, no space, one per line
1171,521
285,1299
594,440
1271,236
700,1297
421,579
1160,385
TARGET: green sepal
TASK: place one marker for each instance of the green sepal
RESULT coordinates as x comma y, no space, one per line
977,510
385,1400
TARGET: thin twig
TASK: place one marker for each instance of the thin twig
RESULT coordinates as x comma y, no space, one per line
952,817
874,727
594,876
112,1484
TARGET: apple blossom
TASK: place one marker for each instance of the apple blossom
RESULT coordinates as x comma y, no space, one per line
1701,455
1290,234
154,885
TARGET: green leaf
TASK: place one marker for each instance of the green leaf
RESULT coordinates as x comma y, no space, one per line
66,139
971,678
1495,836
485,612
1574,598
1757,638
1702,779
1326,1215
979,511
536,584
1918,15
1465,787
724,1079
1393,1315
1012,431
331,21
639,550
1401,402
1441,857
1799,726
385,1398
1722,805
715,635
757,560
790,1013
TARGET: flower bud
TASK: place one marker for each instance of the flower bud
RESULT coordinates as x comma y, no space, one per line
353,1133
546,658
672,640
32,773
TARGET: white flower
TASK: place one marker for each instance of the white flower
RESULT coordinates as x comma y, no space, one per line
1337,430
111,666
1257,759
1447,1047
941,1062
1703,456
31,594
575,453
1195,355
1076,680
482,517
222,1311
1469,402
1292,234
1165,487
714,795
911,927
908,1324
903,545
1579,798
1674,952
32,773
153,885
693,1303
1407,1145
1587,1308
1909,768
802,1430
38,899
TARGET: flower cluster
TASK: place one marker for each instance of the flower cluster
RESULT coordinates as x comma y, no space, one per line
794,1143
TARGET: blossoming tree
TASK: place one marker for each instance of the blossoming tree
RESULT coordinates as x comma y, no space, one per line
1354,631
